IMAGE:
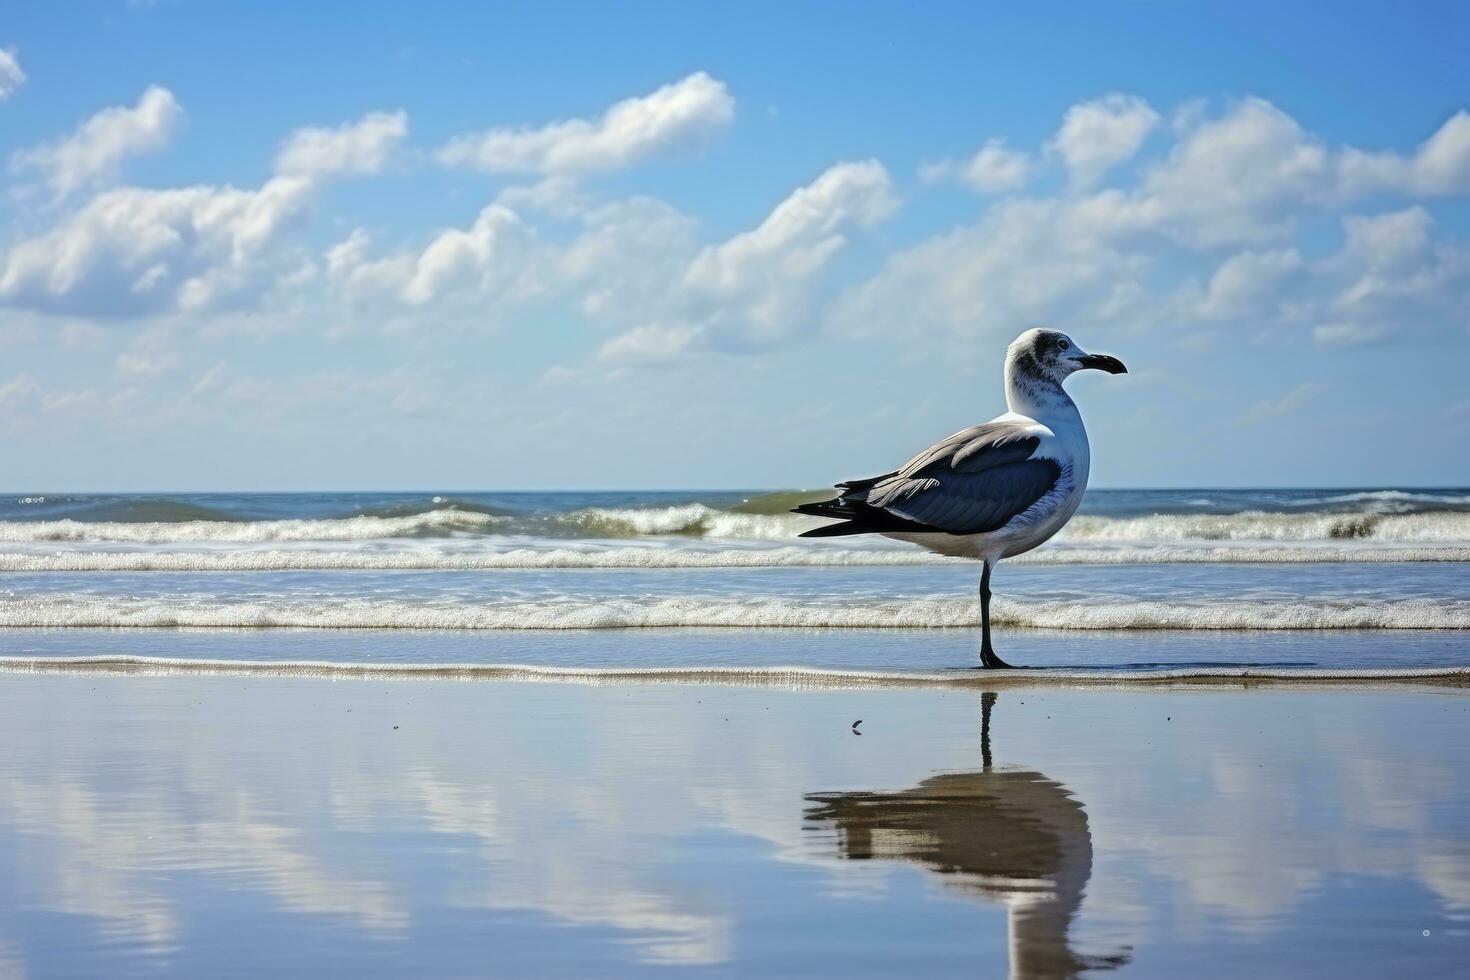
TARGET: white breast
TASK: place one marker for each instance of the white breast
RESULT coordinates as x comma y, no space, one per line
1067,444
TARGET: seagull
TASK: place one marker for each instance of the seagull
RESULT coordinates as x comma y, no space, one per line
991,491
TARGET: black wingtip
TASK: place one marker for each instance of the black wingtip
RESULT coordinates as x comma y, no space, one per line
823,508
837,530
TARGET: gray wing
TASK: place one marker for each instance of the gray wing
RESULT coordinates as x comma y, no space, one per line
973,482
975,449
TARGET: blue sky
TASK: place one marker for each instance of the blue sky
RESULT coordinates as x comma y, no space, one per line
672,245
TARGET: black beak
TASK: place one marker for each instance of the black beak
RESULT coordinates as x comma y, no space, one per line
1102,362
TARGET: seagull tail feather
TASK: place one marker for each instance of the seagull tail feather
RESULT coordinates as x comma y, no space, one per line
855,516
836,507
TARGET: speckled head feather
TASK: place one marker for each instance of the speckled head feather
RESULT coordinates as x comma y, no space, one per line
1038,354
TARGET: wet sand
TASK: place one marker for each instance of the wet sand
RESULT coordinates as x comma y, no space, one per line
229,824
886,650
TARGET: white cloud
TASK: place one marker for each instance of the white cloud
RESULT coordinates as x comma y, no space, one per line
1242,178
93,153
1095,136
1347,334
651,343
208,381
1247,176
1023,263
1201,238
1247,283
28,403
485,258
1392,278
801,233
1239,178
753,290
1440,165
618,268
1382,254
627,262
135,365
475,254
1291,401
360,148
133,251
993,169
11,76
634,265
17,390
1132,257
677,115
560,197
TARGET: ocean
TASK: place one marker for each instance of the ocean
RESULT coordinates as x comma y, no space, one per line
1346,578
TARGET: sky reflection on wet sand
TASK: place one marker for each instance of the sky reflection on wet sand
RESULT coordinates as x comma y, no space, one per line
194,825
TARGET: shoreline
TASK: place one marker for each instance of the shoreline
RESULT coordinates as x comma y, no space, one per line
773,676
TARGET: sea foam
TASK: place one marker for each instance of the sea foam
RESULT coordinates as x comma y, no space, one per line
1432,527
433,559
358,528
700,521
756,612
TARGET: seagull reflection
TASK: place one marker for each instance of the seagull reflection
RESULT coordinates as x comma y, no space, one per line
1001,834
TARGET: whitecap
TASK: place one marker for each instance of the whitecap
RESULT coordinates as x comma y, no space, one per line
645,557
359,528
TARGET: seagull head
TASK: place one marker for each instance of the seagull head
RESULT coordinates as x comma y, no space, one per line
1052,355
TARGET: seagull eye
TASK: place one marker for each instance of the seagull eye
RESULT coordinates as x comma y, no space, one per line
1063,345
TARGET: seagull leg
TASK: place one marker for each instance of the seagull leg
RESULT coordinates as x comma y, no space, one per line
987,653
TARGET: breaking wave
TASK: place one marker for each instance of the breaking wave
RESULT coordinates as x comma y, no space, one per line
697,520
129,534
432,560
1395,501
700,520
421,559
756,612
360,528
689,519
1437,527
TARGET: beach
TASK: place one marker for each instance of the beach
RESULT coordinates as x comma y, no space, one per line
734,490
640,734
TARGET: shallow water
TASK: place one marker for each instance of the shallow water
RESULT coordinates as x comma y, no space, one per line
214,826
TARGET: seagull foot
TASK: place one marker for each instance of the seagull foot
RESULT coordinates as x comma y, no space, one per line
989,661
